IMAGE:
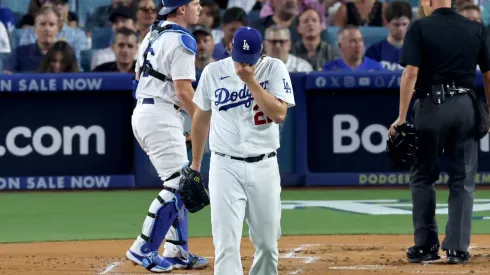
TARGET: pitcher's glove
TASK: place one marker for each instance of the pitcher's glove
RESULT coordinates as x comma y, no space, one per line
192,191
188,141
402,147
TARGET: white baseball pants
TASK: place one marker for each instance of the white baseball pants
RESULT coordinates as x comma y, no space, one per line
245,191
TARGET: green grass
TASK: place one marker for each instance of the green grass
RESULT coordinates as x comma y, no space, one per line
46,216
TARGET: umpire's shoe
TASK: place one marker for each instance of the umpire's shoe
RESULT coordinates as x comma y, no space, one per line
192,262
457,257
152,262
417,254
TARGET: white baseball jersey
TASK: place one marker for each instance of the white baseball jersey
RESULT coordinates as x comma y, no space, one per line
238,127
169,57
298,64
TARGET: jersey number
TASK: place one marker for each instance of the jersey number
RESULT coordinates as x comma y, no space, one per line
259,117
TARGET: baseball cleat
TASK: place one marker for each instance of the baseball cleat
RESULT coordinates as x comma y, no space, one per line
193,262
457,257
417,254
152,262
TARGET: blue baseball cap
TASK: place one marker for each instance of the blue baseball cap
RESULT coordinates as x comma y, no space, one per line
247,45
171,5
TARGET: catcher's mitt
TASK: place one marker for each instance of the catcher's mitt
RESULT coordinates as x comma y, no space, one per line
193,193
402,147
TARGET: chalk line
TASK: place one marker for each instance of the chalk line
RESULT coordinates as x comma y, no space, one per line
297,271
109,268
359,267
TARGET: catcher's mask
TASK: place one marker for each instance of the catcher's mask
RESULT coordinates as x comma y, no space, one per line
402,147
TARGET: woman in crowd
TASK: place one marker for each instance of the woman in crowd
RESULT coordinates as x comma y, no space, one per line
60,58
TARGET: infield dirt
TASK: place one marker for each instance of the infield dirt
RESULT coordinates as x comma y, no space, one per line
306,255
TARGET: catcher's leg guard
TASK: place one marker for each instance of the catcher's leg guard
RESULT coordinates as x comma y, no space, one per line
144,251
176,246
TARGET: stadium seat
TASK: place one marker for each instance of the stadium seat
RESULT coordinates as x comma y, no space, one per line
85,59
101,38
3,57
15,37
19,6
371,35
86,7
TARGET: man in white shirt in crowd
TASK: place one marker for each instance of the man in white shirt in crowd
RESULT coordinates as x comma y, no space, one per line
121,17
278,44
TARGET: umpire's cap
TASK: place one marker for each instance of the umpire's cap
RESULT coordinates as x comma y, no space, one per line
170,5
247,45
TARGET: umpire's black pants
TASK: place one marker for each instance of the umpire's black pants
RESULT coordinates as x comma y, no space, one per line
444,129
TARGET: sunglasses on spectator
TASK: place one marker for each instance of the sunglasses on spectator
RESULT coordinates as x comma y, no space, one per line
148,10
280,41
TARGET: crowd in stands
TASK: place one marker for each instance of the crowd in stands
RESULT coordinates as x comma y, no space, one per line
307,35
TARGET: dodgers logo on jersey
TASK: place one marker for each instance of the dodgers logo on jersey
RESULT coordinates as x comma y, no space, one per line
229,100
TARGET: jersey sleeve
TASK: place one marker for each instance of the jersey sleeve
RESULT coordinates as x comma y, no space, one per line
201,96
280,83
484,55
183,64
412,47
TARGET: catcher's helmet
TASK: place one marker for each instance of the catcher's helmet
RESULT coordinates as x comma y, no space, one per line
402,147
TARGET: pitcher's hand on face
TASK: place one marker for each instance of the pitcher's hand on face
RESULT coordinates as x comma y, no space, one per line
244,71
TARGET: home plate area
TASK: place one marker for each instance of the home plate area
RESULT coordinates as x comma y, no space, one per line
373,254
332,254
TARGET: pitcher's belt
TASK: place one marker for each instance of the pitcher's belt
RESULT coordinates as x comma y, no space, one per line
249,159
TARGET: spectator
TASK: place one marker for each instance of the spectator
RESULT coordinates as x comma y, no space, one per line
74,36
278,44
471,12
145,16
72,20
26,21
351,45
100,17
302,5
35,6
285,12
398,15
60,58
360,13
311,47
247,5
205,46
125,48
210,17
26,58
4,39
121,17
233,19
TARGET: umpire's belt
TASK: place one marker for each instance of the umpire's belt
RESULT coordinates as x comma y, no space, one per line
150,100
250,159
450,91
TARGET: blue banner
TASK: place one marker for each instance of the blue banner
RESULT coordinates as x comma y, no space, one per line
67,182
70,131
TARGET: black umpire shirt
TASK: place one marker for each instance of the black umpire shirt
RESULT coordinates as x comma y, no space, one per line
446,47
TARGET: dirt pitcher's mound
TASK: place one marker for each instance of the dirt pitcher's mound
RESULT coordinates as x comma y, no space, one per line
306,255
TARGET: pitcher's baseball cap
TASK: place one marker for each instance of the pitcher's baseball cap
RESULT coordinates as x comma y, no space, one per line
170,5
247,45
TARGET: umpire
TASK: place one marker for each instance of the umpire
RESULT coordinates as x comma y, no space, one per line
440,54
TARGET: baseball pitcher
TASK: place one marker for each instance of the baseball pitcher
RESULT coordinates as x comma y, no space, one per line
242,99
